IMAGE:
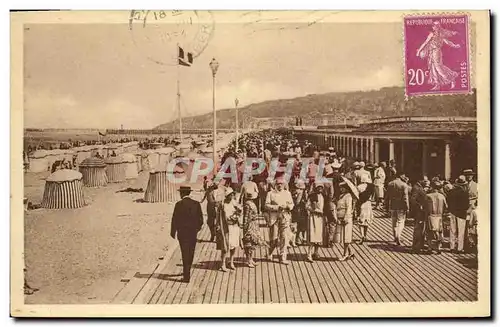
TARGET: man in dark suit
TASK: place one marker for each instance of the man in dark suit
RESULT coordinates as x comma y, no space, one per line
187,221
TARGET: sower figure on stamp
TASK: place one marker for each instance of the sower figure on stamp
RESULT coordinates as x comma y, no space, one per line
279,204
187,221
439,74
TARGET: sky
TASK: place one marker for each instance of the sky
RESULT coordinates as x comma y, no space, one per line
105,75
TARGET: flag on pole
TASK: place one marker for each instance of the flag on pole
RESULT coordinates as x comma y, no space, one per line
185,60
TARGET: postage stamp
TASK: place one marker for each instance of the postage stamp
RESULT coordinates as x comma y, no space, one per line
436,53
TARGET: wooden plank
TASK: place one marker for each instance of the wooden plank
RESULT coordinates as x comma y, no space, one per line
350,283
280,283
251,284
158,292
214,296
201,251
172,285
132,289
273,286
323,277
327,254
409,286
378,279
245,285
386,280
292,285
312,275
238,285
222,290
403,283
337,277
288,290
416,280
304,276
300,289
213,272
128,276
259,289
232,286
267,298
210,264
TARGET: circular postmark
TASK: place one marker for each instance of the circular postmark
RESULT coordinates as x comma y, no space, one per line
159,33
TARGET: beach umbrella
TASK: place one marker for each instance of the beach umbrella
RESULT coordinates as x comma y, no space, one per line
352,187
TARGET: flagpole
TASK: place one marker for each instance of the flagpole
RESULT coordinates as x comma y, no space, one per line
236,101
179,96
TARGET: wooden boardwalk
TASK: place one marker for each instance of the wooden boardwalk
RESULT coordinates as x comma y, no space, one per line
380,272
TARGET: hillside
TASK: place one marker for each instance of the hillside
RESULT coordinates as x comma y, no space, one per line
385,102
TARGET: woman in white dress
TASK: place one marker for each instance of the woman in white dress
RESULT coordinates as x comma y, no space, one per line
227,226
315,221
366,190
343,230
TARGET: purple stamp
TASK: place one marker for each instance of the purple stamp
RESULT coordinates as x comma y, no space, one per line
437,54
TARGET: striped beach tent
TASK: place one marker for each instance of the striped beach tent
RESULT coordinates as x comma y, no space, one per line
115,169
160,188
94,172
63,190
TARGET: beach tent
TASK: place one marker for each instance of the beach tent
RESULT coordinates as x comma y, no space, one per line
63,190
94,172
160,188
115,169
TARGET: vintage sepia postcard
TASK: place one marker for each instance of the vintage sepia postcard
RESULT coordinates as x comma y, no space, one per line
170,163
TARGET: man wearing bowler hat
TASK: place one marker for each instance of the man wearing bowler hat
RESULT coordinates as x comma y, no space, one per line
187,221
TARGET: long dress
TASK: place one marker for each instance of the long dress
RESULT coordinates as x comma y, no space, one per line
315,219
251,230
227,226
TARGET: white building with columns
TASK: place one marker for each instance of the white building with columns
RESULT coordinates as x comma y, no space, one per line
419,145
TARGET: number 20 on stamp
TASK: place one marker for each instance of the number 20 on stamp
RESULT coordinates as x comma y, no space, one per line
437,52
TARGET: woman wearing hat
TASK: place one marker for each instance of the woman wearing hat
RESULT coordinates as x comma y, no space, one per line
366,190
299,212
343,230
228,228
210,190
315,221
251,231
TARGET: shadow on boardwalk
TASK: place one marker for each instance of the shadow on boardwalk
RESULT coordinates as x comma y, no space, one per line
380,272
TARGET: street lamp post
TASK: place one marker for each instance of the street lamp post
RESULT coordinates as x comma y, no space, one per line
236,102
214,66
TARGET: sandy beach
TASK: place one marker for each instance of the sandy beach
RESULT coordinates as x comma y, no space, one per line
78,256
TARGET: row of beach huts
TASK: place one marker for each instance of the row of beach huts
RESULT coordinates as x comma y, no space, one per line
116,163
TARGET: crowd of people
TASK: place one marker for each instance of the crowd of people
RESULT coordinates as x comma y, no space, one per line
315,213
